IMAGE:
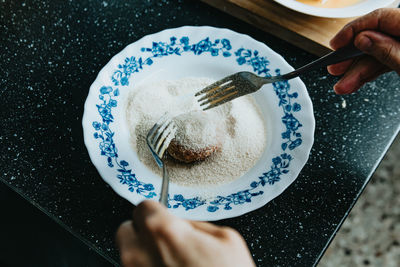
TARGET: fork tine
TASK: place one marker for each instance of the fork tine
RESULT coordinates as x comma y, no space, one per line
213,90
156,125
151,132
160,130
217,91
167,141
212,86
218,95
216,98
162,136
222,100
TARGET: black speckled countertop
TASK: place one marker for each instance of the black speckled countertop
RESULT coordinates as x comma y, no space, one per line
51,52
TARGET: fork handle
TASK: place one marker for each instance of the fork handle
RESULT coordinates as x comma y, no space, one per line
334,57
164,187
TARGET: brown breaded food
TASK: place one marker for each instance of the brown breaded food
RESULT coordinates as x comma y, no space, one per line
197,137
187,155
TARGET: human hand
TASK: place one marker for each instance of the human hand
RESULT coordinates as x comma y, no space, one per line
372,35
157,238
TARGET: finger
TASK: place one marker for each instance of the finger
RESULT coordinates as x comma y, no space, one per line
363,70
126,237
343,37
153,219
131,250
145,212
340,68
386,20
150,218
218,232
164,233
382,47
207,228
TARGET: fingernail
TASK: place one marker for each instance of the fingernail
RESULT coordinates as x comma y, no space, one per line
335,89
364,43
338,88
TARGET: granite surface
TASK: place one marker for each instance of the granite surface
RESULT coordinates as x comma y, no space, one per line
52,52
371,233
28,231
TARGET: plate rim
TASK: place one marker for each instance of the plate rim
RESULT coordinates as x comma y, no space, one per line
214,216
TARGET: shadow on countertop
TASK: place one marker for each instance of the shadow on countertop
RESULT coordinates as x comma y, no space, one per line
30,238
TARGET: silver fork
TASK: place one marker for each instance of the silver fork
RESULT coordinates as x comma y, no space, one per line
158,139
243,83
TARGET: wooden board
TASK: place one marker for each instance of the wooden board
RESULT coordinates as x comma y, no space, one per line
307,32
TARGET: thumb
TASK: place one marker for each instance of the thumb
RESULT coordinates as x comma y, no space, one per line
163,233
150,218
382,47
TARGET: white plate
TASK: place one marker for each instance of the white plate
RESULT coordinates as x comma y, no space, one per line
202,52
359,9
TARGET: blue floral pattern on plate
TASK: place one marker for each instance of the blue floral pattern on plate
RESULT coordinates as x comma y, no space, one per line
161,49
291,137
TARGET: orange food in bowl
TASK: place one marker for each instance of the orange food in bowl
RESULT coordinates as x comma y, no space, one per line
330,3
